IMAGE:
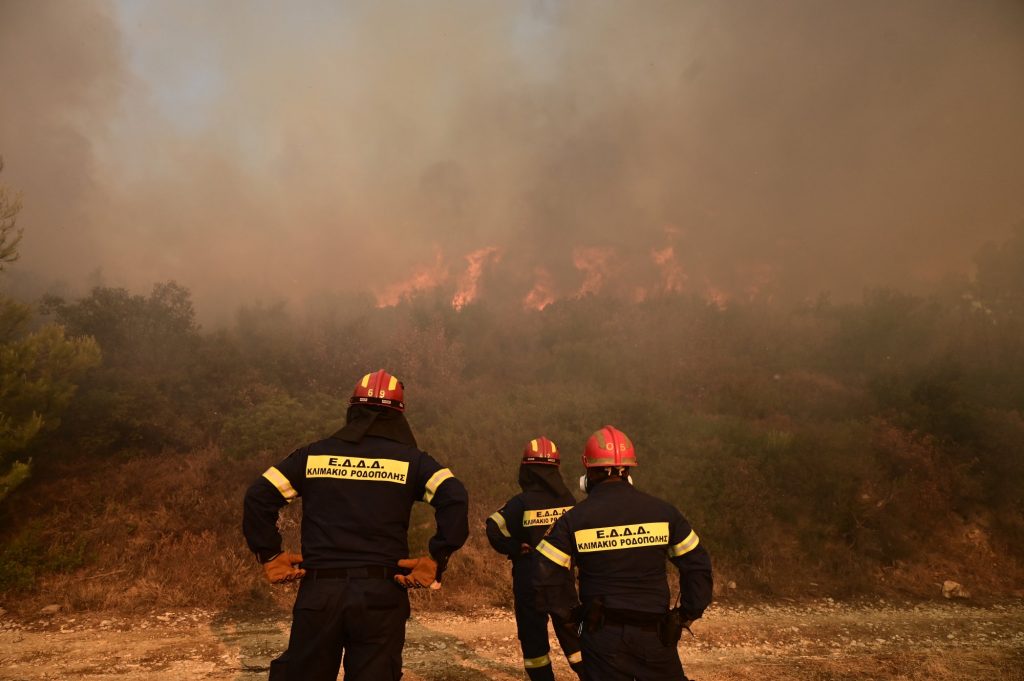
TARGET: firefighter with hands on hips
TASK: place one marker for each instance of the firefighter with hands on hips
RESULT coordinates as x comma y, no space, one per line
514,531
619,539
357,488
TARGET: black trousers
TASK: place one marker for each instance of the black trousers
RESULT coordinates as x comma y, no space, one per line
532,629
362,619
623,652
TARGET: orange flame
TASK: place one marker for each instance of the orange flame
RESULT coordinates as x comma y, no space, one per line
540,296
423,278
716,295
592,261
673,279
469,282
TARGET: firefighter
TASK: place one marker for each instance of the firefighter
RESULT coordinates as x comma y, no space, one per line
514,531
619,538
357,488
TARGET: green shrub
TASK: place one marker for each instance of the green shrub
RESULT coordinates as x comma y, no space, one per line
34,552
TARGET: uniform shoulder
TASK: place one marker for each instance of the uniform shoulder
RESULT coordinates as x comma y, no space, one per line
659,503
304,450
514,501
579,508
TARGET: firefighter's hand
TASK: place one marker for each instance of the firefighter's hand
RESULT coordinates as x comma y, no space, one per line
422,572
284,568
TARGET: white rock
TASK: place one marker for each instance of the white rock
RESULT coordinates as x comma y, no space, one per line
50,610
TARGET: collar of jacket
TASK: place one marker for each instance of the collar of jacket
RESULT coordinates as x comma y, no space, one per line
362,420
613,482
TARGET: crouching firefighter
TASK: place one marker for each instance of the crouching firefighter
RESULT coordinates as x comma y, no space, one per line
357,488
514,531
619,539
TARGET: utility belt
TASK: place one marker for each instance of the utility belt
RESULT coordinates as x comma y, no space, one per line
368,572
647,621
668,626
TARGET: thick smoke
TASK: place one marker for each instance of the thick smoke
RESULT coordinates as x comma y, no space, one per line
534,150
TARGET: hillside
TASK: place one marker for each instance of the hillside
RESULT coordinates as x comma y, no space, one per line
819,449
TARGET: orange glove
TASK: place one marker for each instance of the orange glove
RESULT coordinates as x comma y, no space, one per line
283,568
422,572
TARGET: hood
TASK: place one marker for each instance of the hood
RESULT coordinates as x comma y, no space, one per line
539,477
362,420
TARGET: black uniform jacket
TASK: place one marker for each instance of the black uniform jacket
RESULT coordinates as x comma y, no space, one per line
356,500
525,519
619,538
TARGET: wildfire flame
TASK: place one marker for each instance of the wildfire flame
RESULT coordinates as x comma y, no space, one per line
540,296
423,278
673,279
598,266
716,295
470,280
592,261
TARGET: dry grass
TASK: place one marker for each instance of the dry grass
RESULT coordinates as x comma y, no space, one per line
160,531
165,532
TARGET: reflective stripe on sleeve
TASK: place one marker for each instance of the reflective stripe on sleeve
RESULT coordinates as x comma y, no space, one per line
499,520
435,481
282,484
554,555
575,657
535,662
685,546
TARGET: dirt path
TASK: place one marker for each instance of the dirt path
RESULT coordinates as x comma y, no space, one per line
820,641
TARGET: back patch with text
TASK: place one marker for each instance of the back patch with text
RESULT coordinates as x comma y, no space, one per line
357,468
622,537
543,516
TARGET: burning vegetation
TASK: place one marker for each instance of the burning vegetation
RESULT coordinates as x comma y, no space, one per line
821,448
740,231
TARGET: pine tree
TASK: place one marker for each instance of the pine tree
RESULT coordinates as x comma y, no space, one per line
10,205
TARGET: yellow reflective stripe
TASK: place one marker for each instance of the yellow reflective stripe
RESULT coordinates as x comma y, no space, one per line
534,662
685,546
499,520
554,555
533,445
393,383
282,484
575,657
366,381
554,449
435,481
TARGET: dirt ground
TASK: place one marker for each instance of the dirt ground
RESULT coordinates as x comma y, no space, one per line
822,640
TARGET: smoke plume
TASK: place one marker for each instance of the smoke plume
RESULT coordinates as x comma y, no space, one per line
535,150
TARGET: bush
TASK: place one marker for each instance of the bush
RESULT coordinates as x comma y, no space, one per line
35,551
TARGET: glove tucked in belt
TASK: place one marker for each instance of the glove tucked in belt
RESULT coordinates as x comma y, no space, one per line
284,567
422,572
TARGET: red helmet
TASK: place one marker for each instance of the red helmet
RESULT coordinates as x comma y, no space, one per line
541,450
609,447
380,388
